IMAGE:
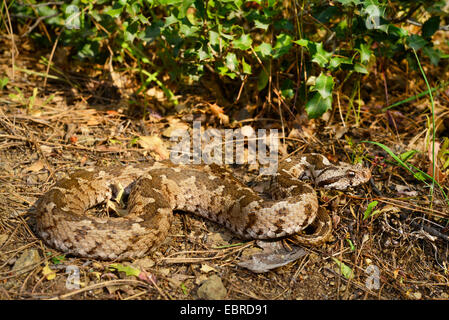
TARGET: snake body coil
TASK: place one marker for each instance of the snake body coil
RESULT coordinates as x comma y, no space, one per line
156,189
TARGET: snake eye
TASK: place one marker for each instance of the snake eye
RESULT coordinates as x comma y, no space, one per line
351,174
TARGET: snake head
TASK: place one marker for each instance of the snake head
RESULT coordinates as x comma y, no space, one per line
343,176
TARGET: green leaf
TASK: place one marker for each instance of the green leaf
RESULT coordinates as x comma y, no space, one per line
433,54
282,46
231,61
264,50
324,85
416,42
321,56
170,20
407,155
344,269
58,259
365,53
349,2
287,89
246,67
262,80
128,270
3,82
115,11
188,31
243,43
430,26
214,38
335,62
261,25
302,42
358,67
316,106
351,245
369,210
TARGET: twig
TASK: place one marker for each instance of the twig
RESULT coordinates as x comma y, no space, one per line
36,23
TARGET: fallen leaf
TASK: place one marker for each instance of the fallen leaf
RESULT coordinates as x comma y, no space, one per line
344,269
206,268
219,112
35,166
274,255
128,270
48,273
439,175
155,144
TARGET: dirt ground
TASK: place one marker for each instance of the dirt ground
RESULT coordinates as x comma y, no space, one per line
398,253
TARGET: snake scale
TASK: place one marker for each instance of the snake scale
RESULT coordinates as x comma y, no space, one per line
155,189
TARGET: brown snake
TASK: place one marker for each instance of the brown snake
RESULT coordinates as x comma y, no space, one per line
155,190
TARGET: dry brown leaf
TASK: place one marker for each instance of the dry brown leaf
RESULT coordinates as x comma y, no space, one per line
206,268
35,166
154,144
439,175
219,112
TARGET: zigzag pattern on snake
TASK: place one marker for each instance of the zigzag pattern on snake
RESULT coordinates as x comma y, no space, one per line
154,190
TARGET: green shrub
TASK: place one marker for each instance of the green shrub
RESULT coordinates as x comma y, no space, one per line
238,39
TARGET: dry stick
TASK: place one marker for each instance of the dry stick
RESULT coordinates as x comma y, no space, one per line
13,44
36,23
51,57
100,285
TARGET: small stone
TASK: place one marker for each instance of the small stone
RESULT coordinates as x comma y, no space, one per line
212,289
417,295
27,258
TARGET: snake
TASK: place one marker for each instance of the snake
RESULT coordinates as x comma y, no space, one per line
154,190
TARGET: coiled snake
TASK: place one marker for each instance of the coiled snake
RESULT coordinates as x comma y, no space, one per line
155,190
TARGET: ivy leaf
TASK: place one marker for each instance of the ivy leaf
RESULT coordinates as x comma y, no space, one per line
246,67
360,68
324,85
231,61
416,42
115,11
243,43
287,89
349,2
433,54
321,56
282,46
261,25
365,52
264,50
430,26
214,38
316,106
302,42
335,62
262,80
170,20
